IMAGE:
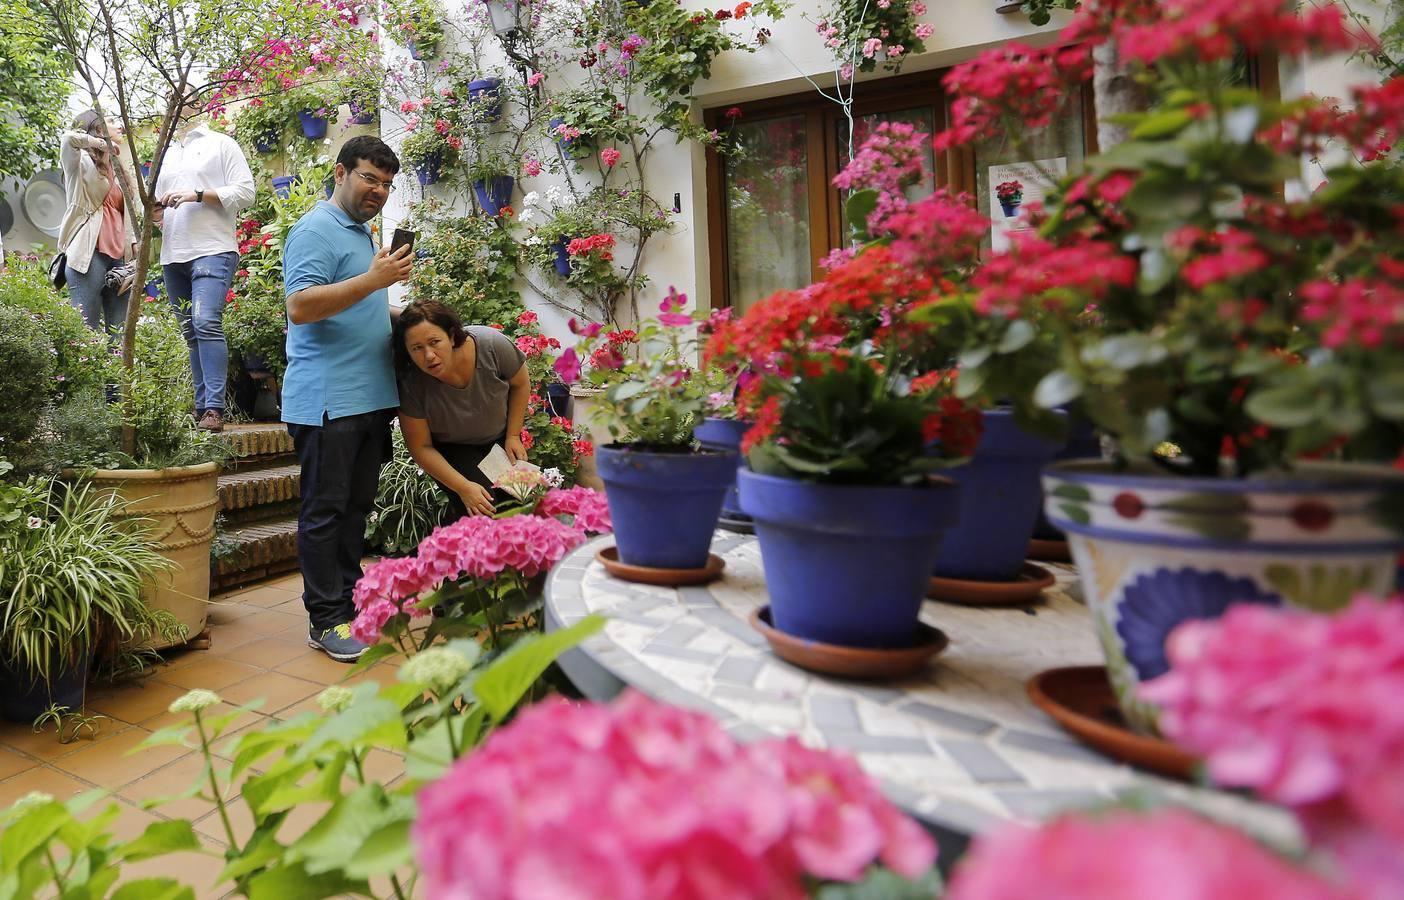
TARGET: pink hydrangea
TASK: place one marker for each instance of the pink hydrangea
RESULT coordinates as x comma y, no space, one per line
1305,709
640,800
1124,855
391,579
588,508
483,547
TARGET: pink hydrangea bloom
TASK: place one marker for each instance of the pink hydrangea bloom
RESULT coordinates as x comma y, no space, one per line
640,800
483,547
1303,708
587,507
391,579
1171,855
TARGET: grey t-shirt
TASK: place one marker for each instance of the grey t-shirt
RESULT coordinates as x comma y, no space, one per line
476,413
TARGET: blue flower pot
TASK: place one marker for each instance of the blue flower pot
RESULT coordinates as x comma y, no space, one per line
558,398
266,142
1083,443
153,289
664,505
999,504
26,698
359,114
314,127
847,564
725,434
145,171
428,169
572,147
282,185
494,193
1010,209
485,95
562,260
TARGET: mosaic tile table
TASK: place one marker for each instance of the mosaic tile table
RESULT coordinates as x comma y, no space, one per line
961,746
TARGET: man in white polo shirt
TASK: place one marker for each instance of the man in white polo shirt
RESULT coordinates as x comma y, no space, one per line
204,183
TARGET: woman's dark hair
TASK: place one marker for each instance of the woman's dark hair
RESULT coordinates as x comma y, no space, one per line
86,121
435,313
370,148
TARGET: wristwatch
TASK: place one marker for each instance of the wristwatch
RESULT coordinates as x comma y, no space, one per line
199,195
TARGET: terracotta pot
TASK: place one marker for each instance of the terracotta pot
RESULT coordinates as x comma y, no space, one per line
181,504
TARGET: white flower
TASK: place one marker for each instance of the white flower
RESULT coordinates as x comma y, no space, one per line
553,477
533,241
437,668
194,701
526,215
334,699
531,198
35,522
553,194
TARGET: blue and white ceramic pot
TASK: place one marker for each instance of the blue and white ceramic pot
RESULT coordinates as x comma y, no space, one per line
1153,551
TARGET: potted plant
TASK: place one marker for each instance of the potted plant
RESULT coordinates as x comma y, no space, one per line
485,99
846,399
1010,195
261,123
491,185
1241,355
73,578
873,34
427,152
314,107
418,25
721,428
664,492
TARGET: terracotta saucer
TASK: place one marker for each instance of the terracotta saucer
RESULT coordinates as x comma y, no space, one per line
1049,551
609,558
1020,592
851,662
1080,699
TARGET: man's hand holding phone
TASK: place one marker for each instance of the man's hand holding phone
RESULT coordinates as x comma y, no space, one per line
391,266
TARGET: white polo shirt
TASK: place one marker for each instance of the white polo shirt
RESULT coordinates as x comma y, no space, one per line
209,161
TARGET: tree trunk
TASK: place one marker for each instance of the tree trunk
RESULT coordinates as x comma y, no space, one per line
1116,91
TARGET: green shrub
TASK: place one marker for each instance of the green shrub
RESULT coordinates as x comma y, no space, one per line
26,375
71,576
82,359
408,505
162,396
471,265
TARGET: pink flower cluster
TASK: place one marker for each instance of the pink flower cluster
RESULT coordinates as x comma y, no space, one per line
1364,312
610,157
587,508
641,801
1126,855
1008,87
383,592
1034,267
602,244
1370,128
1305,709
536,344
1208,30
1216,256
889,161
938,233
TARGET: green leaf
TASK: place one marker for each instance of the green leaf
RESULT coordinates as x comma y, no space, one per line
1057,388
1162,124
370,720
1067,491
335,840
161,838
154,889
32,831
383,851
1386,395
884,884
171,735
1016,337
860,205
501,687
293,882
262,849
1077,513
1287,406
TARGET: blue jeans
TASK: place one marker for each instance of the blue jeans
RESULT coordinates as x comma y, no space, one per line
103,309
197,290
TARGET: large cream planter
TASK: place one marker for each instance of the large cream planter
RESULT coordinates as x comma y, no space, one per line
1153,551
181,503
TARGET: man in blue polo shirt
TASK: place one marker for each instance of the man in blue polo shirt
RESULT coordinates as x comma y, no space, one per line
339,390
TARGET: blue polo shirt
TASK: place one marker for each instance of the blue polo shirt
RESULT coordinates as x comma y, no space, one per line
342,365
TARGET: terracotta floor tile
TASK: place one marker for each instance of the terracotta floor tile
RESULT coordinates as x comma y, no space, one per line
314,665
13,763
210,673
109,765
264,652
269,621
264,597
170,781
168,719
198,870
277,690
45,746
382,766
297,709
223,610
137,702
49,781
288,583
298,821
131,821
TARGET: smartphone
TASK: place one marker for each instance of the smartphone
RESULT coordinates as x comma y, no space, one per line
402,238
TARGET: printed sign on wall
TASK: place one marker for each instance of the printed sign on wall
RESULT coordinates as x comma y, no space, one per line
1013,186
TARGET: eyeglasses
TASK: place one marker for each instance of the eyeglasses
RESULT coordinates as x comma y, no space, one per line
372,181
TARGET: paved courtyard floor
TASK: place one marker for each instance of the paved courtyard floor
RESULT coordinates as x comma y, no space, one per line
258,649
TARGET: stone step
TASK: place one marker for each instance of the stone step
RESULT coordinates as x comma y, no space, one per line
247,490
258,445
255,551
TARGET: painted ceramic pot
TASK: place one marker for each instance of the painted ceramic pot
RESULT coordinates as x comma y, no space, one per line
1153,551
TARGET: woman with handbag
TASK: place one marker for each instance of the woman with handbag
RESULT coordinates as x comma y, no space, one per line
96,235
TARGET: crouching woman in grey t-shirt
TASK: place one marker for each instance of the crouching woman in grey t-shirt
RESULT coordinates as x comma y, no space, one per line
462,390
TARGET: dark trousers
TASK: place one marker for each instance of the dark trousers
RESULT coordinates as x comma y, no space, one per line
465,458
341,460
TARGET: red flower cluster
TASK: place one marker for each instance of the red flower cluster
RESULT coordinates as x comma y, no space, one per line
1034,268
600,244
1008,86
938,233
1216,256
1365,312
250,237
955,424
1210,30
1371,128
764,421
536,344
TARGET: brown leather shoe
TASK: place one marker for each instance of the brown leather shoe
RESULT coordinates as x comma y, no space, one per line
213,420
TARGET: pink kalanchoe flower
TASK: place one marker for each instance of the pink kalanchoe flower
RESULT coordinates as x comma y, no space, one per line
567,366
535,78
609,156
668,310
1303,708
1125,855
640,800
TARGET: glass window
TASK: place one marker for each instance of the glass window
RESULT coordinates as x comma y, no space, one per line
767,209
923,117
